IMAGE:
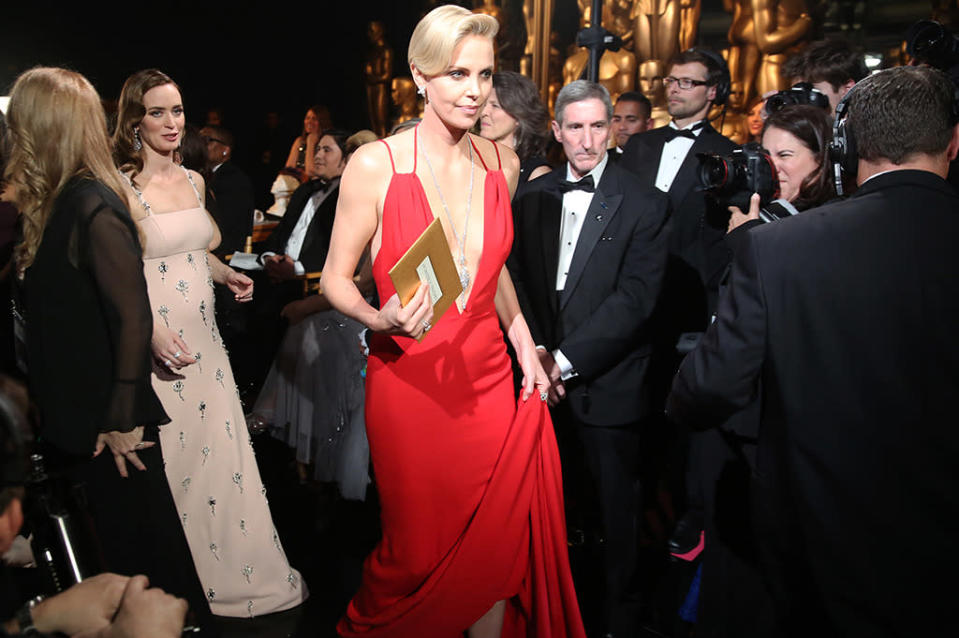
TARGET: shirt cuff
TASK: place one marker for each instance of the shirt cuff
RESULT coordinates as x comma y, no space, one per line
566,369
299,269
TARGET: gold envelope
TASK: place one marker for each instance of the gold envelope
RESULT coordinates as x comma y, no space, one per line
428,260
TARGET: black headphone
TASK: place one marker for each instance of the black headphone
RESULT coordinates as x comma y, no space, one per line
723,87
842,147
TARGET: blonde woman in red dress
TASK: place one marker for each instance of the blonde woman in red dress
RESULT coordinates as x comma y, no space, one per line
474,538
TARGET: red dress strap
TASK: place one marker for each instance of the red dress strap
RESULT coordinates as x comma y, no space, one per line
477,151
391,155
499,160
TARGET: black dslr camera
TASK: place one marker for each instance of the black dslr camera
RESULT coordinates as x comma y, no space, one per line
733,179
801,93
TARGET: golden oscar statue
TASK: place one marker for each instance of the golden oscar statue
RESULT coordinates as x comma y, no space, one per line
378,70
781,26
689,12
656,28
762,35
651,73
617,69
407,102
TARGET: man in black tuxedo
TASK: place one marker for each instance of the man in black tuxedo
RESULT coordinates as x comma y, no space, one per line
588,260
665,157
231,192
298,245
843,321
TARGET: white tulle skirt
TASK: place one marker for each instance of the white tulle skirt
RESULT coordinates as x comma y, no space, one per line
313,396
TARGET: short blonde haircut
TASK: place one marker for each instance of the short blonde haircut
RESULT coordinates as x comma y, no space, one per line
57,131
438,33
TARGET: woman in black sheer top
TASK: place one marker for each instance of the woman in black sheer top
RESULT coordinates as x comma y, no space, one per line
88,326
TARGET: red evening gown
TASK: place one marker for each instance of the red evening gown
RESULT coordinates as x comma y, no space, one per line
469,478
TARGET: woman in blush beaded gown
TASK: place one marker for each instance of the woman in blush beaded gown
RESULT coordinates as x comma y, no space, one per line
474,538
207,451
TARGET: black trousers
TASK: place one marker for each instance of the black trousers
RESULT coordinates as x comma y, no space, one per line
601,466
135,522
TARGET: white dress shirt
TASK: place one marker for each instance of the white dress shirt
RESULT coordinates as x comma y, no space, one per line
674,154
298,235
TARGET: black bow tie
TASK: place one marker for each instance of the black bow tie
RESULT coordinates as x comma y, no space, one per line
585,184
672,133
321,185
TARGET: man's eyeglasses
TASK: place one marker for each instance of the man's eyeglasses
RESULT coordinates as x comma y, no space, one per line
684,83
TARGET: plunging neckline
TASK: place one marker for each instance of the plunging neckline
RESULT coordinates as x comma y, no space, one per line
475,276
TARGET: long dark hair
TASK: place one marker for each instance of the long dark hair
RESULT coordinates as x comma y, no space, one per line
519,97
130,113
811,126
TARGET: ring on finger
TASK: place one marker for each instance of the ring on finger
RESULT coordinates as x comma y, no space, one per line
176,355
426,325
138,446
543,395
167,363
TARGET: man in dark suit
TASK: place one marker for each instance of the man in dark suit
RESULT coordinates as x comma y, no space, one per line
231,192
665,157
843,321
298,245
588,260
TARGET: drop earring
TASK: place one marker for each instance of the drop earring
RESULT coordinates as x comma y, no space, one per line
137,144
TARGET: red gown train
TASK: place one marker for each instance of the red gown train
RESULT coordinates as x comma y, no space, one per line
469,479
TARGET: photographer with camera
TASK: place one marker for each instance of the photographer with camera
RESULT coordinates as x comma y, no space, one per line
841,322
797,140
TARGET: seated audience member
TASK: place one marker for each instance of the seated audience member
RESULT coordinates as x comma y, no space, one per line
831,66
297,246
106,605
631,115
315,122
515,116
230,199
841,323
314,393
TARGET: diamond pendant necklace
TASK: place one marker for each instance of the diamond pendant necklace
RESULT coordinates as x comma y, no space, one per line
460,243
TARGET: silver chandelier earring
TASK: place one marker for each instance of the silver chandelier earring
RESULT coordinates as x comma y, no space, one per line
421,90
137,144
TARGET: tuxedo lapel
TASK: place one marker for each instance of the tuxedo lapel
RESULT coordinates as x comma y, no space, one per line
651,152
604,206
551,211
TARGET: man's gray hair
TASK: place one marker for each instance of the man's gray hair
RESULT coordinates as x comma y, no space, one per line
577,92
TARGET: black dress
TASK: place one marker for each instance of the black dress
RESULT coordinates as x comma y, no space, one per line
88,329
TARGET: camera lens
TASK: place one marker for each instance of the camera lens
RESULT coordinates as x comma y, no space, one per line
713,172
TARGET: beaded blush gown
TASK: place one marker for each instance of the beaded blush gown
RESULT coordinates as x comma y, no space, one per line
469,479
207,451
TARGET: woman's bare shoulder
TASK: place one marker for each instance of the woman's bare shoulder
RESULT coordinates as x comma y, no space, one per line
496,154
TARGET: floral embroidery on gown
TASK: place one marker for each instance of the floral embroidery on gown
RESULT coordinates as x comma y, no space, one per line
207,451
